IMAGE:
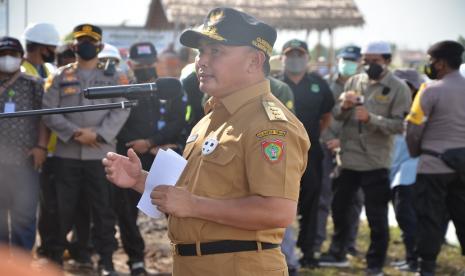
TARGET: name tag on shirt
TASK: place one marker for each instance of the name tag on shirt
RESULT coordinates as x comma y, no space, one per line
9,107
192,138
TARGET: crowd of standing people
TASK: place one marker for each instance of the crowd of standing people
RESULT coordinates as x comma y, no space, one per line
281,141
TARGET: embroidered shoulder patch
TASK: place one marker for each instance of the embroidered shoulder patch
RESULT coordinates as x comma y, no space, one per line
274,112
273,150
270,132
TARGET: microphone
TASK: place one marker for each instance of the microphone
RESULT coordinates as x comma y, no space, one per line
162,88
360,101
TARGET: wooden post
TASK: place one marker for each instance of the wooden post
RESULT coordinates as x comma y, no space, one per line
331,53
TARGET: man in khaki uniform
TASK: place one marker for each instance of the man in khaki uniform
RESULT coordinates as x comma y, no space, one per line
240,187
371,110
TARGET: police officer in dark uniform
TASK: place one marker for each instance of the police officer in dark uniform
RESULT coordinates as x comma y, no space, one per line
313,104
436,134
83,139
153,123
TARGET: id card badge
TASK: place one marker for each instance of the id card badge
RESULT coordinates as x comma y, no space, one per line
10,107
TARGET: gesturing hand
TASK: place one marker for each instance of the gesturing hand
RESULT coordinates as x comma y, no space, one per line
123,171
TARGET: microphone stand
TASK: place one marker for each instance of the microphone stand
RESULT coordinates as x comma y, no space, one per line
70,109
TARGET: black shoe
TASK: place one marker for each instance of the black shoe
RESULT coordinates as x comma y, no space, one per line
330,260
424,274
352,251
293,271
308,262
102,271
398,263
76,264
138,269
374,271
408,267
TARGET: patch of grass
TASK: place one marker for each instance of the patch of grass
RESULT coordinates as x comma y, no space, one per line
450,261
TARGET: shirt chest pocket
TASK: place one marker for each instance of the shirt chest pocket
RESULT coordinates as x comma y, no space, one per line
217,173
380,104
70,95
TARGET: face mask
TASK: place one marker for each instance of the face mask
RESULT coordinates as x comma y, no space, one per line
374,70
87,50
9,64
347,68
50,58
145,74
431,71
295,65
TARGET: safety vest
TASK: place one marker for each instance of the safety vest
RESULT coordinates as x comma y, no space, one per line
28,68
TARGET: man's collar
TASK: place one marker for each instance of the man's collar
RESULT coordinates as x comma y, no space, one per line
453,74
386,78
238,98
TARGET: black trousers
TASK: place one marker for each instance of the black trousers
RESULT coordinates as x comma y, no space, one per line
326,198
437,196
309,197
48,208
126,210
375,186
48,225
88,177
402,198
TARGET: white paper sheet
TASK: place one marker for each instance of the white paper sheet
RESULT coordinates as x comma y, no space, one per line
165,170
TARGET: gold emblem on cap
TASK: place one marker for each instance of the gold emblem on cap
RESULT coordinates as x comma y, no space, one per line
212,32
263,45
215,17
87,29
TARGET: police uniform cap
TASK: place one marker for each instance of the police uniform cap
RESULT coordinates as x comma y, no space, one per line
295,44
87,30
350,52
143,52
377,48
232,27
11,43
446,49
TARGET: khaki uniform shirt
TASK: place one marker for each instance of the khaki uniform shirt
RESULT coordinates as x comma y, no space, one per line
437,121
262,150
387,102
65,88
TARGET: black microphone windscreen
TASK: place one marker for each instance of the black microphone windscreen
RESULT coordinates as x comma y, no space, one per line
168,88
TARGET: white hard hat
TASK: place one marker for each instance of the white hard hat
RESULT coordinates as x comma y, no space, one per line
377,47
462,70
110,51
42,33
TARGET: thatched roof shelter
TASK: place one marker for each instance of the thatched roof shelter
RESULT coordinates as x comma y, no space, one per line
307,15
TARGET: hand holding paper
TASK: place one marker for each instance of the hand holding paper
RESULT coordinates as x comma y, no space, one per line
166,170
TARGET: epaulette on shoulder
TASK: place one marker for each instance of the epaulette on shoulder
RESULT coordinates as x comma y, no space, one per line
68,68
273,111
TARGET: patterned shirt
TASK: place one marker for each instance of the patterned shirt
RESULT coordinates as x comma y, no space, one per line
19,135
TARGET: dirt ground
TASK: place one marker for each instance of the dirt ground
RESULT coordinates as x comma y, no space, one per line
157,252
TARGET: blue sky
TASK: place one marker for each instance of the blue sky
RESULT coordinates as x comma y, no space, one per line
413,24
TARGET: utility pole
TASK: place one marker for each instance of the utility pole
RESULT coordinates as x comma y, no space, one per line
25,13
7,18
